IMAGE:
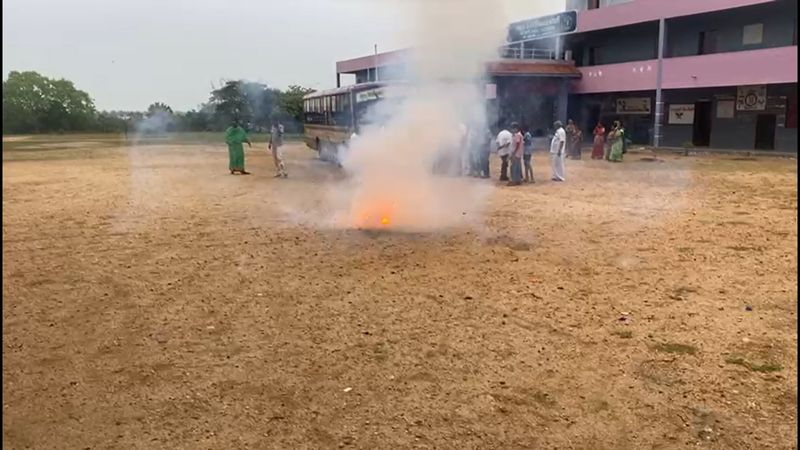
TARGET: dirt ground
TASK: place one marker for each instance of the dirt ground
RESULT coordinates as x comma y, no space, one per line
152,300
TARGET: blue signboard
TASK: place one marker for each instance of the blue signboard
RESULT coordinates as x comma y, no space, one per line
542,27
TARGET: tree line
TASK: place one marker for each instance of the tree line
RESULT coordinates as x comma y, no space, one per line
33,103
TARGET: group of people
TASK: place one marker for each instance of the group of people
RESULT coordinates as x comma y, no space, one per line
611,146
515,150
236,136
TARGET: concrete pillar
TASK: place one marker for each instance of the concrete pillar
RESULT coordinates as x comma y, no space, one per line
658,117
561,101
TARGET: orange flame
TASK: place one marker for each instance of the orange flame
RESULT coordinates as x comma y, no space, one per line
372,214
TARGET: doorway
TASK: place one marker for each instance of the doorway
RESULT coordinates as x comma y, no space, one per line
765,132
701,129
593,116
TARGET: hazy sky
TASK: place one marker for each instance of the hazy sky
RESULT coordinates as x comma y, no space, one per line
130,53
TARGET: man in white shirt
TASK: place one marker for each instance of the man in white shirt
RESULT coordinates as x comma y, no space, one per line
504,139
557,148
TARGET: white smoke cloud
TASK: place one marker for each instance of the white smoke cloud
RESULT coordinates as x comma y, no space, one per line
392,181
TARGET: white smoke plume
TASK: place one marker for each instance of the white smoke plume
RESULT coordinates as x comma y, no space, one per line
393,184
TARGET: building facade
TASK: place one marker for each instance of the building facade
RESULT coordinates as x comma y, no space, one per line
721,73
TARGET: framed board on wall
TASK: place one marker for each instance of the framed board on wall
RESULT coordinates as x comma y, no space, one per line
751,98
725,109
681,114
633,105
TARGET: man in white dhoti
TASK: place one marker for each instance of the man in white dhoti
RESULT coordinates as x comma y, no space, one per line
557,148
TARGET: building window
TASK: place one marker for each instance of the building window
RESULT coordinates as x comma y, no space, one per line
592,4
707,43
594,56
753,34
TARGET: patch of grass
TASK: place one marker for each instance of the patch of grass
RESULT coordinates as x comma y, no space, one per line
738,360
601,405
624,334
673,347
766,368
380,352
682,292
744,248
543,399
762,368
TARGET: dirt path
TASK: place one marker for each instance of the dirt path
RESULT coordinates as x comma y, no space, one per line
153,301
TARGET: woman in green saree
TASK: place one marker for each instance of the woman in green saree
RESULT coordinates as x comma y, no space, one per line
235,136
617,138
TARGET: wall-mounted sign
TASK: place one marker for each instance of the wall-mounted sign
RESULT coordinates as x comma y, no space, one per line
491,91
633,105
542,27
751,98
777,104
372,94
725,109
681,114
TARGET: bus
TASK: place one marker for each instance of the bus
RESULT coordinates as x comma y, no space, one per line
332,116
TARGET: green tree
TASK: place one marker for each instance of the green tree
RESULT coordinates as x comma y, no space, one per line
158,107
230,103
159,119
292,102
34,103
195,120
254,104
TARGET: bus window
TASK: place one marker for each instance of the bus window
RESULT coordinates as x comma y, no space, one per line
313,112
341,110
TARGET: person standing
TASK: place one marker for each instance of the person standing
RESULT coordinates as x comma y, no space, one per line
527,154
616,137
517,150
463,149
235,136
599,141
569,129
474,142
557,150
574,140
503,150
275,144
484,151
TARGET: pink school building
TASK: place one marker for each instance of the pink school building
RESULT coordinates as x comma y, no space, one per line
710,73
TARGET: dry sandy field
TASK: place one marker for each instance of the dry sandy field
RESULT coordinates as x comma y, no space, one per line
151,300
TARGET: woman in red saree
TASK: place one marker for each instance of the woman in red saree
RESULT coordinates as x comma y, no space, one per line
599,141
